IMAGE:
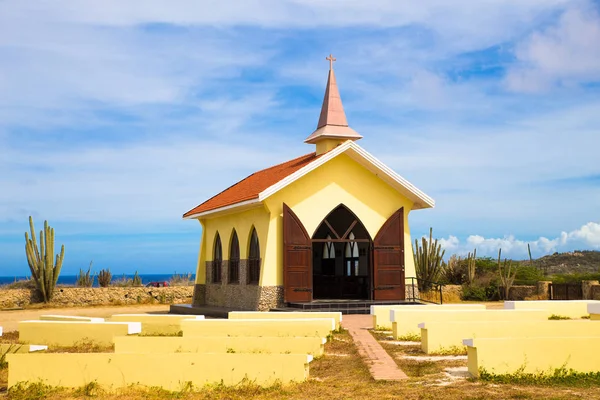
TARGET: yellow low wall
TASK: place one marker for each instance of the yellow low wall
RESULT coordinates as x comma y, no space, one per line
169,371
439,336
533,355
239,344
68,333
8,348
567,308
406,322
337,316
319,327
156,324
381,314
69,318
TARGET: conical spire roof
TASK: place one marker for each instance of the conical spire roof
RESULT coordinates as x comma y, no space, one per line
332,121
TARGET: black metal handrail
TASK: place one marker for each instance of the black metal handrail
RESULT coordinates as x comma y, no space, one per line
435,286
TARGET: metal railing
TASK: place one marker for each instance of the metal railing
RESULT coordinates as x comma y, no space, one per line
425,286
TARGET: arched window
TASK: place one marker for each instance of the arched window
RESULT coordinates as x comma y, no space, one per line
217,260
254,259
234,259
351,256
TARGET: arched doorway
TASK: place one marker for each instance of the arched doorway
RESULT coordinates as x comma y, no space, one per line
327,265
341,257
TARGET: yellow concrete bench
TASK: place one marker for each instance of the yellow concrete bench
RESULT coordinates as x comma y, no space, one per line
533,354
567,308
237,344
168,371
8,348
406,322
594,310
156,324
337,316
381,314
439,336
69,333
69,318
319,327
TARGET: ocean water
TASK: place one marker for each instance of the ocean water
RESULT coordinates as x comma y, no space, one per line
71,279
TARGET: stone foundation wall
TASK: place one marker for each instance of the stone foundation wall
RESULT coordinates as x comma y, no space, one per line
522,292
72,296
241,295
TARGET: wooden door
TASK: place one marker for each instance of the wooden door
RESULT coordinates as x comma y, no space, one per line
388,259
297,259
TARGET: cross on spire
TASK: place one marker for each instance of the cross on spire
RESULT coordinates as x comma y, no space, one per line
331,60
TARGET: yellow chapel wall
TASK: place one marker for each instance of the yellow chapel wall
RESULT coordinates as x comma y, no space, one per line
242,222
312,197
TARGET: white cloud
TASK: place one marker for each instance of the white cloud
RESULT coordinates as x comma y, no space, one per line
566,54
586,237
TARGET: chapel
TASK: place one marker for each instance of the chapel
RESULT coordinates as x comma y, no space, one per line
329,225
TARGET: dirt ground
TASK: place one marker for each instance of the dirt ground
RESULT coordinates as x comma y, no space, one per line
10,319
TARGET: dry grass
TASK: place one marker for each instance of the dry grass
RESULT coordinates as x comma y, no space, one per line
82,347
339,374
10,337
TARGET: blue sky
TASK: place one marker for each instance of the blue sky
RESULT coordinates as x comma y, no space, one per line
116,118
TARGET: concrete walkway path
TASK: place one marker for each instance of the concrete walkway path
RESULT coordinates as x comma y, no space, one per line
381,365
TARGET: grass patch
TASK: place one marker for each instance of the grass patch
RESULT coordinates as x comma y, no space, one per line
411,337
585,317
178,333
450,351
83,346
10,337
555,317
559,377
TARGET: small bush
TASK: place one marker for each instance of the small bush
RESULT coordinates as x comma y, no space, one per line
27,283
137,281
181,280
85,279
555,317
474,293
104,277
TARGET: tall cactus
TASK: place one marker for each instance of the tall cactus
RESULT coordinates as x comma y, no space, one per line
428,261
43,270
471,266
507,274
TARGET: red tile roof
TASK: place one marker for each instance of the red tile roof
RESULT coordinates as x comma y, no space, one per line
250,187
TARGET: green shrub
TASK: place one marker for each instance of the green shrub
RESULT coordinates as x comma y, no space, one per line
528,275
474,293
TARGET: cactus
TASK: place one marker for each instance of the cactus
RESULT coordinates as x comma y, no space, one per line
104,277
428,261
85,279
137,281
507,274
471,266
43,270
